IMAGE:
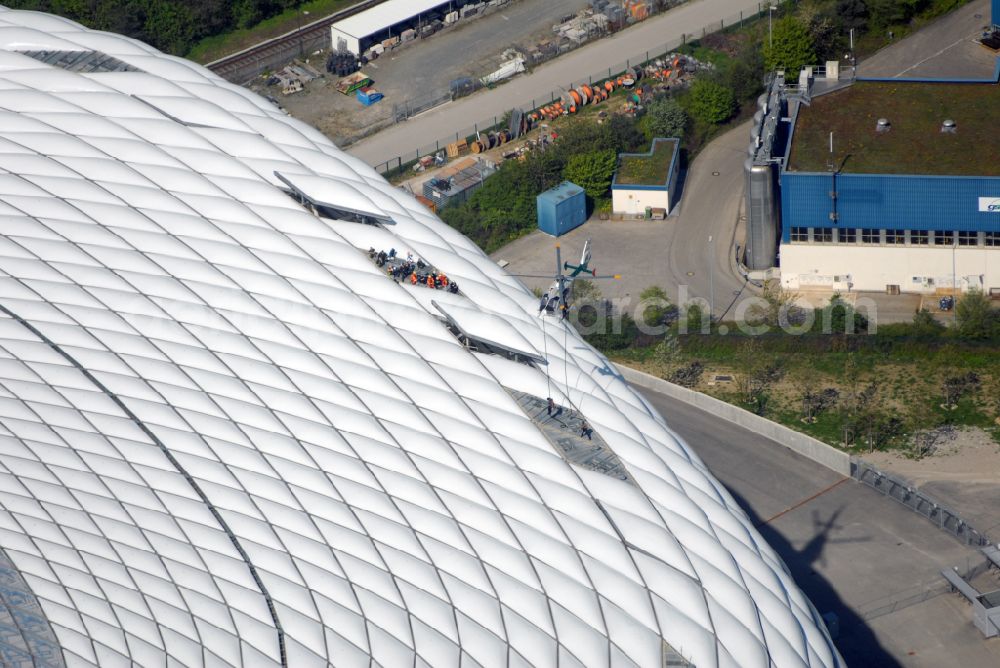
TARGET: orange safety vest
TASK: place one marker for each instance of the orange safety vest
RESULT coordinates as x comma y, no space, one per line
430,281
443,279
413,278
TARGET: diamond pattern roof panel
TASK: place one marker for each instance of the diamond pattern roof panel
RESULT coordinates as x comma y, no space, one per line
228,438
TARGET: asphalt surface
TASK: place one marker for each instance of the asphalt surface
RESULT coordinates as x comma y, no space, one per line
674,254
852,551
946,48
651,35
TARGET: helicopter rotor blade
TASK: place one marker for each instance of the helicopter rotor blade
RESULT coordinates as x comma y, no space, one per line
549,276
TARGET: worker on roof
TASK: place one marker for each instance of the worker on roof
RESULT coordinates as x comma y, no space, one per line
443,280
413,278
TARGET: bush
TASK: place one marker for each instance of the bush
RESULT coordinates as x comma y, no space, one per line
664,118
975,316
592,171
711,102
926,325
615,338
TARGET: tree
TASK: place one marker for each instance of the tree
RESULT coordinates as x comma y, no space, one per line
852,13
823,30
592,171
656,307
667,352
624,135
974,315
665,118
816,401
711,102
745,72
755,376
791,48
170,26
955,387
778,308
246,13
885,13
840,317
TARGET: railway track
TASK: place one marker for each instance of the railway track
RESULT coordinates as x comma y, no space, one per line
248,63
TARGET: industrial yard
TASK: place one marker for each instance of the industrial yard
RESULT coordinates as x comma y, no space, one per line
422,70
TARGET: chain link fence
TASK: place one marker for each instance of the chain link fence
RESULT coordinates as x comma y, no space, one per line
400,163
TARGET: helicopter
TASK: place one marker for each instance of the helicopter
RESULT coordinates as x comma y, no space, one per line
556,300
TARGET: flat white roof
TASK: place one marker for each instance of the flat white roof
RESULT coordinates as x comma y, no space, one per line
383,16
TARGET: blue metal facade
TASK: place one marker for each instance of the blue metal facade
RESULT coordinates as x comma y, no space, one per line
995,8
888,201
561,209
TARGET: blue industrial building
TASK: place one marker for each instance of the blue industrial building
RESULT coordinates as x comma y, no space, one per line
562,209
890,186
895,202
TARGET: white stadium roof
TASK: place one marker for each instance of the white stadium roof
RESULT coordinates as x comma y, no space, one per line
228,438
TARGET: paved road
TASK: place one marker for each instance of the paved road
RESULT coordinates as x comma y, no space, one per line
851,550
651,35
710,208
946,48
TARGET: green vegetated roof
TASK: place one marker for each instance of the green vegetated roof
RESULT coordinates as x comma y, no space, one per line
646,169
915,143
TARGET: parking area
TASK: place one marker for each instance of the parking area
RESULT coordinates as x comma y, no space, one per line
423,69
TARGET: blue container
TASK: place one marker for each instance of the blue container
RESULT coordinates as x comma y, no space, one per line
562,209
367,96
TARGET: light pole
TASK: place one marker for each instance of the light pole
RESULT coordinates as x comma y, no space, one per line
770,30
954,274
711,279
302,50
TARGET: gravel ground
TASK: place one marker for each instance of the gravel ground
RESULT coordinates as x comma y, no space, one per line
962,473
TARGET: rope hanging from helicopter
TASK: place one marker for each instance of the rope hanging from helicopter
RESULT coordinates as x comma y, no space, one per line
557,302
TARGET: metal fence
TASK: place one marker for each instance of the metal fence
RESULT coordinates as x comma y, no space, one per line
898,490
738,19
919,593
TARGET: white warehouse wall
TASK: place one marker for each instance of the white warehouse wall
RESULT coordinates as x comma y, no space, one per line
635,201
351,43
872,268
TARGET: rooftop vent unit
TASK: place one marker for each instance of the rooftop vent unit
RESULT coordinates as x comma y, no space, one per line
883,125
949,126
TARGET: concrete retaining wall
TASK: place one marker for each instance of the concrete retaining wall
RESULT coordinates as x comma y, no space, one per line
807,446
